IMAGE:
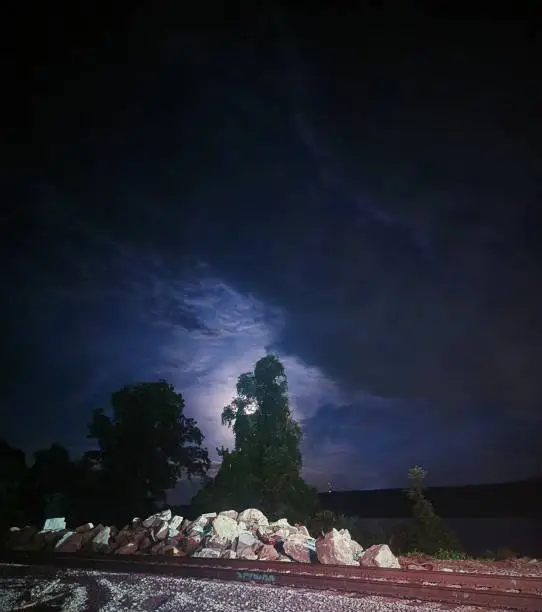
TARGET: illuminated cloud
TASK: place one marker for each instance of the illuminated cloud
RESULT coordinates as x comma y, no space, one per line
235,332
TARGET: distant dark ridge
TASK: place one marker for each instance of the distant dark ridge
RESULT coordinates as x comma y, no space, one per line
522,499
502,500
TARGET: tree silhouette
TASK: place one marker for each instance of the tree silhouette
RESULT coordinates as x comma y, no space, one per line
428,532
263,470
144,447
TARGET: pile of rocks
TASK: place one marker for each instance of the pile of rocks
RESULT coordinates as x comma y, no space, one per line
230,535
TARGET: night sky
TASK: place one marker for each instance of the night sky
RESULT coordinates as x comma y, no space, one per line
353,191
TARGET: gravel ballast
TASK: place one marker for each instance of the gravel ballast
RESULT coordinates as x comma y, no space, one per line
76,591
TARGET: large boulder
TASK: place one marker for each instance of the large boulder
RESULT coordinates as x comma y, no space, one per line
165,515
246,541
357,549
54,524
69,542
299,549
268,553
303,530
176,522
252,517
379,555
217,542
226,528
202,525
233,514
160,530
192,543
155,519
101,541
335,548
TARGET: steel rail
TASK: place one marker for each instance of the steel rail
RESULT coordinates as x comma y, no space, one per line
485,590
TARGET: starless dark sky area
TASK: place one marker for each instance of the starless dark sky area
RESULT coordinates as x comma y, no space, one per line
355,190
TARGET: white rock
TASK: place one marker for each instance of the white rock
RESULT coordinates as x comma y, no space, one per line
176,522
207,553
253,516
226,527
65,537
379,555
54,524
245,540
161,530
233,514
102,537
165,515
335,549
172,532
156,519
201,523
282,533
345,534
298,535
15,529
218,543
150,520
357,550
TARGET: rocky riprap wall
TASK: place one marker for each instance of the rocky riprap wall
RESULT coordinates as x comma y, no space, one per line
227,535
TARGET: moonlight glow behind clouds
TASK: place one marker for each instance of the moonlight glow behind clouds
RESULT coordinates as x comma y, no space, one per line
371,226
237,329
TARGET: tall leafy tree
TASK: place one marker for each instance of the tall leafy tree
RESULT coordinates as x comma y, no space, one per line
264,468
145,446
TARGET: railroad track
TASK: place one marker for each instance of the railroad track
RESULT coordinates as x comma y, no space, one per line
484,590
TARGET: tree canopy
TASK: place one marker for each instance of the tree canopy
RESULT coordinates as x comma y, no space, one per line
264,468
145,446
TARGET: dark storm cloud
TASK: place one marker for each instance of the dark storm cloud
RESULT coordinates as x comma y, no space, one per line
374,231
415,275
116,312
406,259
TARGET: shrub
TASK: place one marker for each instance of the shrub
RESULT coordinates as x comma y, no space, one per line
322,522
503,553
443,553
428,532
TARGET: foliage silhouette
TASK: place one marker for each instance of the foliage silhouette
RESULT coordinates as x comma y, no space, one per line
263,470
428,532
144,447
